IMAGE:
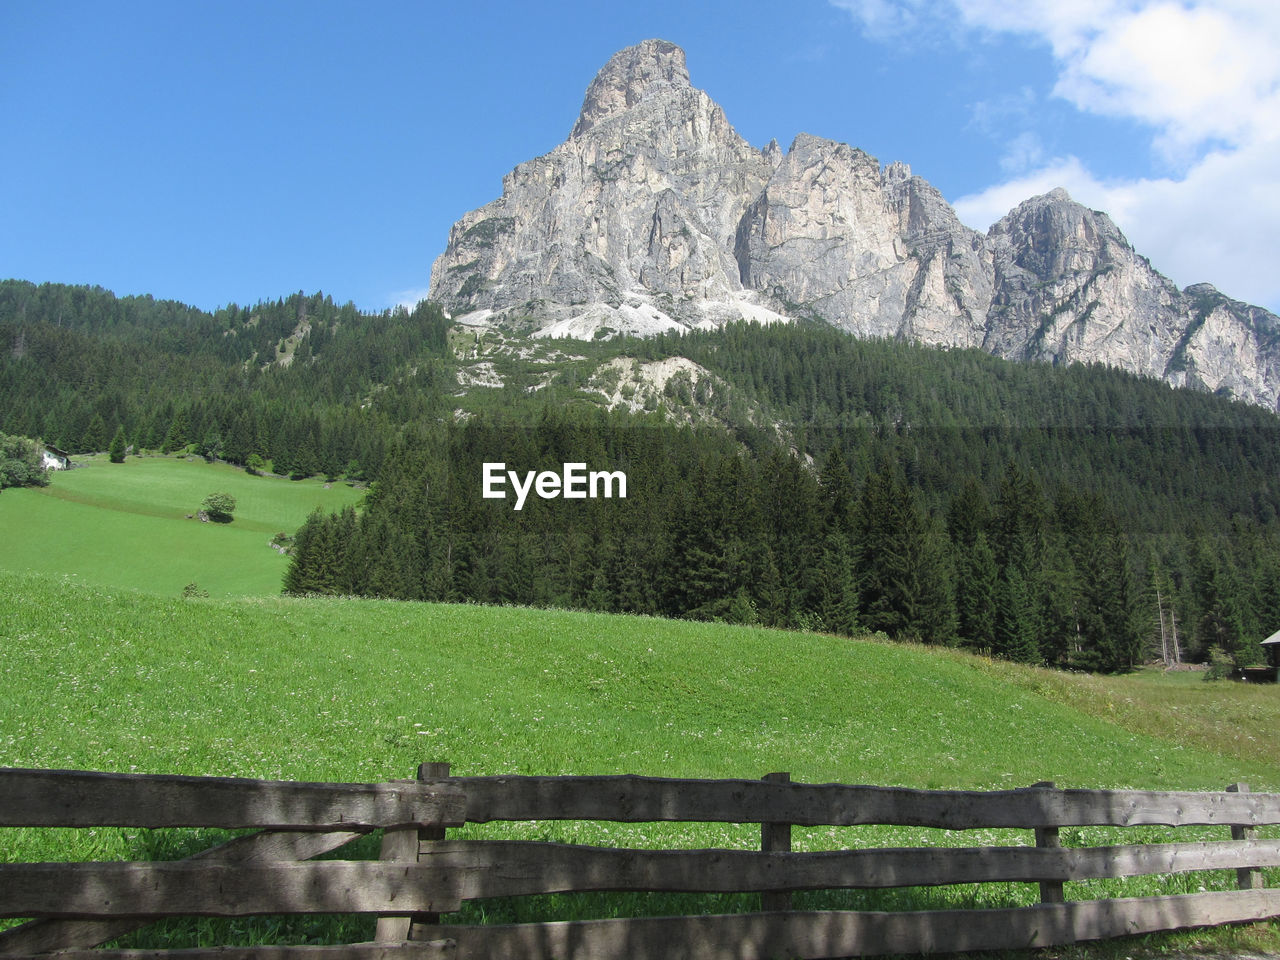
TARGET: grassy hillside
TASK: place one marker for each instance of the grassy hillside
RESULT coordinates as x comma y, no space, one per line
125,525
363,690
359,689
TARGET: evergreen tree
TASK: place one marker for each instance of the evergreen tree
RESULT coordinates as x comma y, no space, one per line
95,435
118,446
969,515
1061,606
238,445
788,501
1018,535
1123,624
1016,624
976,583
176,438
837,592
1269,592
211,446
1219,619
905,576
838,493
299,576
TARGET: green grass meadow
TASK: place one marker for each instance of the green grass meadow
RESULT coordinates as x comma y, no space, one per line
104,666
125,525
362,690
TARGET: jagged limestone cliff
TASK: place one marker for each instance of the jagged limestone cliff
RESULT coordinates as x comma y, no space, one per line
655,214
629,224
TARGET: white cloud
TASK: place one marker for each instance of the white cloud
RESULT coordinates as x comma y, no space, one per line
1203,75
980,210
884,19
1216,224
409,298
1195,73
1022,153
991,116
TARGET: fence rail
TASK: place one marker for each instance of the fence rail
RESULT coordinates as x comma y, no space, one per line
75,798
654,799
422,874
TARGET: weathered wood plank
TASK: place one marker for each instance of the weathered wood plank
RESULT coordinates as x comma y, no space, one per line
402,845
76,798
403,950
648,799
41,936
523,868
1050,890
1246,878
775,837
762,936
214,889
398,846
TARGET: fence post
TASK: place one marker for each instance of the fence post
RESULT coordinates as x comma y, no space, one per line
775,837
1247,878
404,845
1047,837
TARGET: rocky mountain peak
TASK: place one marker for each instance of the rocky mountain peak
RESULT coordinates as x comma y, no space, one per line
897,172
1051,235
656,215
628,77
1202,290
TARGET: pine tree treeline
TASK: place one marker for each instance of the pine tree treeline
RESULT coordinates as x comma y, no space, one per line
289,381
711,532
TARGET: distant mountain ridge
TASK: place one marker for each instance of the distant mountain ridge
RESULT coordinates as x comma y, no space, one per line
656,215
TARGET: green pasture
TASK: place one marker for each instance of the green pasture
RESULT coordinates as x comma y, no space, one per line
361,690
346,689
125,525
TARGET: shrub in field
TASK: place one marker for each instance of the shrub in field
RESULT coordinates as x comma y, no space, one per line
20,464
219,506
1221,664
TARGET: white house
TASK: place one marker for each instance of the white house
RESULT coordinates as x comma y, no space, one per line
53,458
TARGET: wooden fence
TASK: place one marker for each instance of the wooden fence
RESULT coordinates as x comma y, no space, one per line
422,873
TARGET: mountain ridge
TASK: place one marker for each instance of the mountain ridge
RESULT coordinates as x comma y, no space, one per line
656,215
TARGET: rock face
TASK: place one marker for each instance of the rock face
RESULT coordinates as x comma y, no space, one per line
876,252
628,225
1068,286
656,215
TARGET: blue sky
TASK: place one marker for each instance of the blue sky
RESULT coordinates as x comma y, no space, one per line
231,152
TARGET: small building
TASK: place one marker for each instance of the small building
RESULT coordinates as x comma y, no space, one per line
1272,647
54,459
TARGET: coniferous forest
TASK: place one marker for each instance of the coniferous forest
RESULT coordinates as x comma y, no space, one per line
1058,516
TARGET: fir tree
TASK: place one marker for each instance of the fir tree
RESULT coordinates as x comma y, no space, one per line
95,435
976,583
1016,626
176,438
837,592
118,446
